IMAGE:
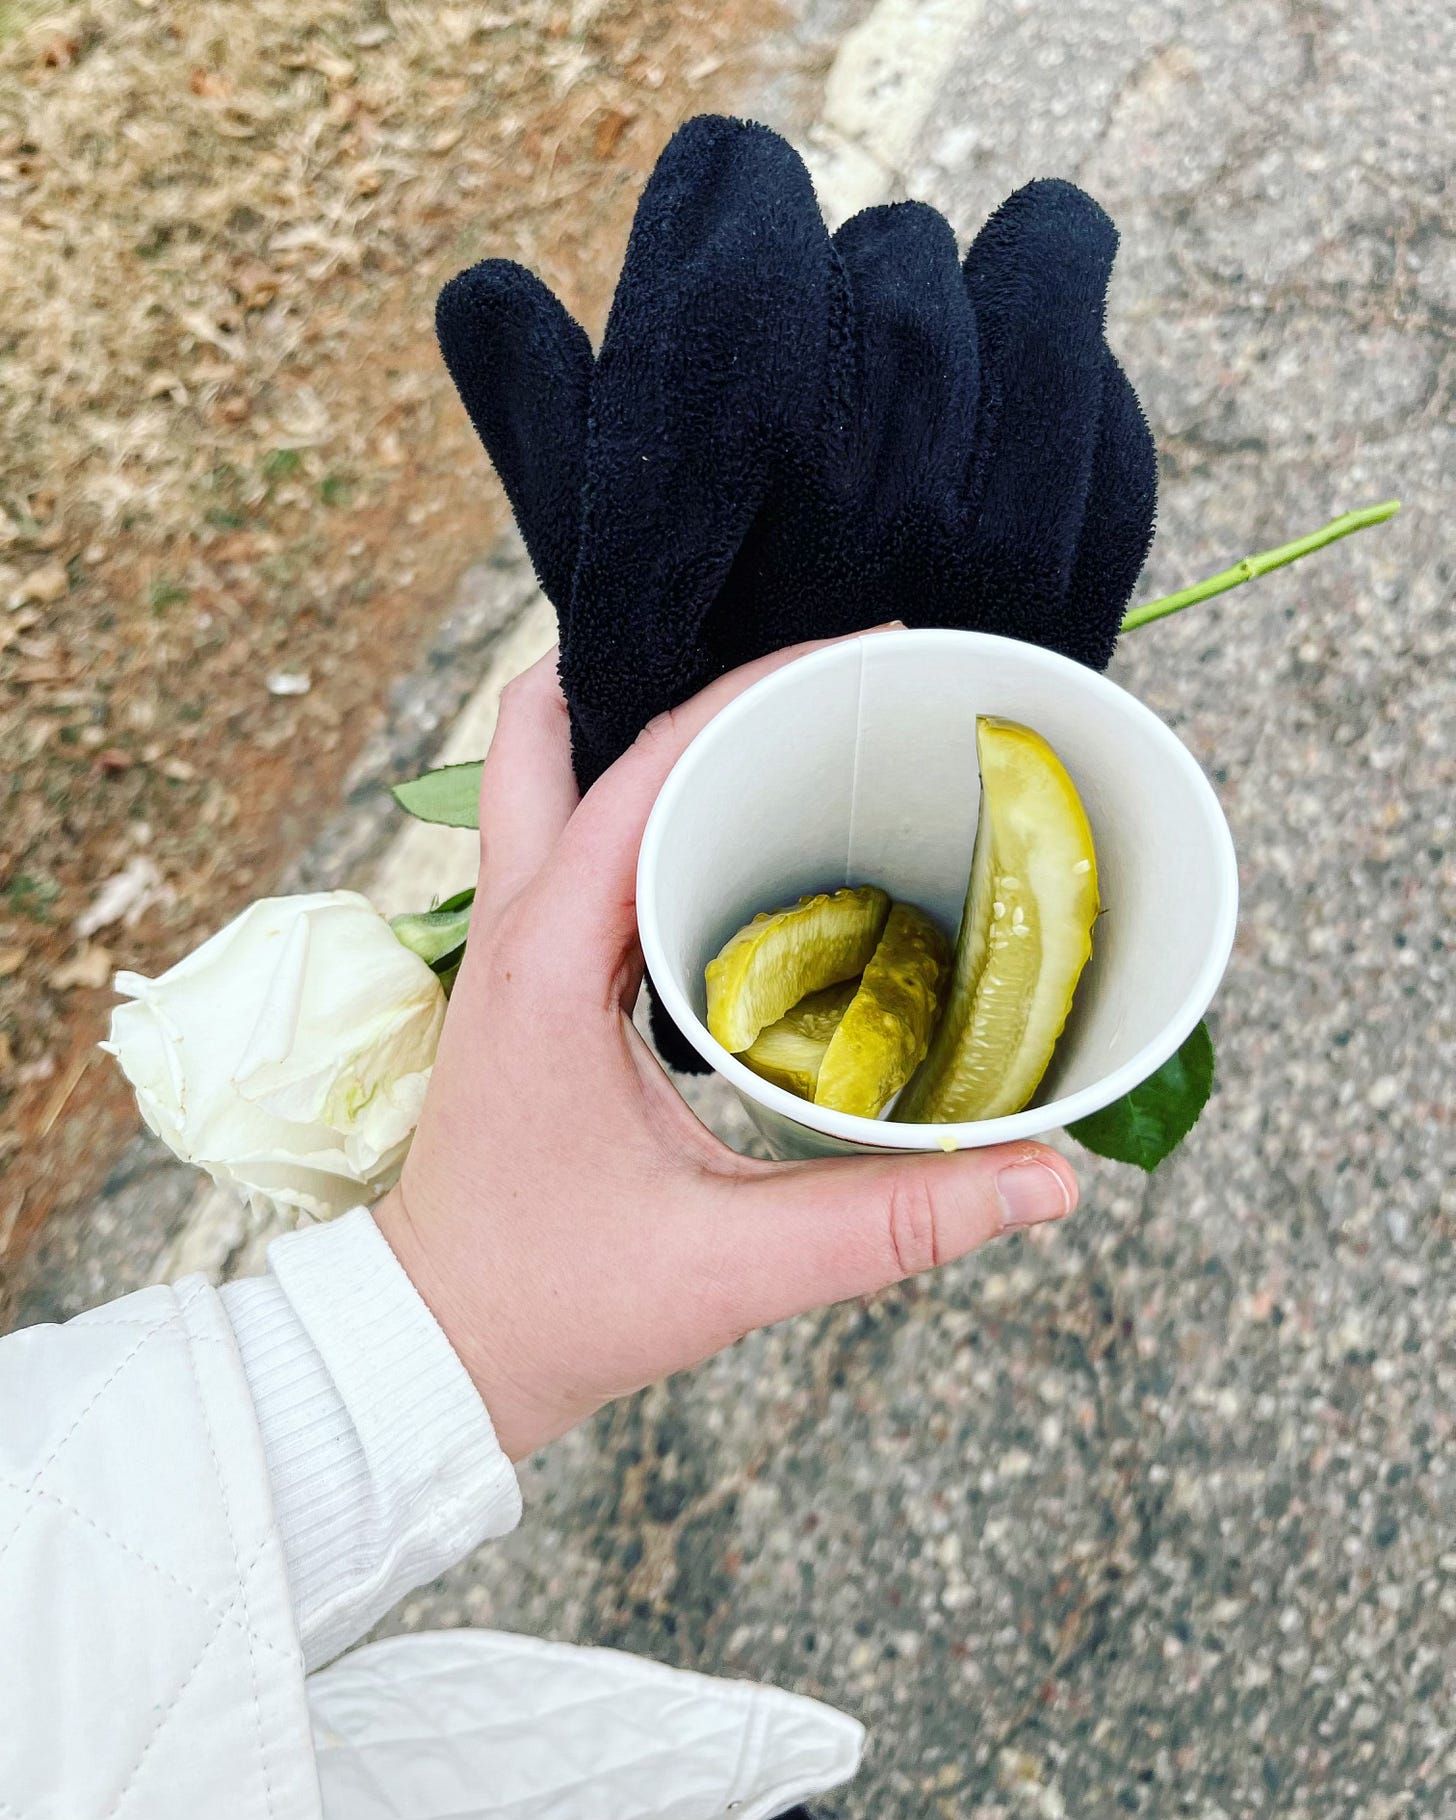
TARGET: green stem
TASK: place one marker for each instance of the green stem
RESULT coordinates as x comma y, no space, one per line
1260,564
436,935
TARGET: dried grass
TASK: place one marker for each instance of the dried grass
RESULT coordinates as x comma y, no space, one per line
227,447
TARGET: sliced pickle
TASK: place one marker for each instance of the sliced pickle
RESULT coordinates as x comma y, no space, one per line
1025,936
789,1052
886,1030
783,955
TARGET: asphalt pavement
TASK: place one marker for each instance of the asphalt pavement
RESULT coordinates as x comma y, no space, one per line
1154,1513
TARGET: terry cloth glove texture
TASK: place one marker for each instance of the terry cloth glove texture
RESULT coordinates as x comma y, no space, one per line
791,435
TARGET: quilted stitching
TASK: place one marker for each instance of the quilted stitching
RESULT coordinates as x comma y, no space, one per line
243,1580
93,1321
78,1469
564,1734
29,1491
224,1614
169,1711
430,1726
520,1729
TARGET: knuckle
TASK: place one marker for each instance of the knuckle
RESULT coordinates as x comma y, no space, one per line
661,734
536,691
515,695
911,1224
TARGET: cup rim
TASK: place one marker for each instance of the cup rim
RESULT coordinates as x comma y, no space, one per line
886,1134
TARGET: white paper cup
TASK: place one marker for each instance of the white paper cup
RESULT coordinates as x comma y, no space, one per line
857,765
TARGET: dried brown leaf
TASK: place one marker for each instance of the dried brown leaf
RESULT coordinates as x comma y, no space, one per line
610,128
90,967
46,585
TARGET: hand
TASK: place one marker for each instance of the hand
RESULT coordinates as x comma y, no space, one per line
573,1227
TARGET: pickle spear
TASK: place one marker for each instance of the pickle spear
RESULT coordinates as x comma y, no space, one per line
1025,936
790,1052
886,1030
783,955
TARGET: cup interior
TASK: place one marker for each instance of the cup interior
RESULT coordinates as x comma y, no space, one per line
857,765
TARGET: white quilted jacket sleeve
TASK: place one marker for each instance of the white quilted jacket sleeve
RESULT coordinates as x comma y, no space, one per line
190,1483
149,1656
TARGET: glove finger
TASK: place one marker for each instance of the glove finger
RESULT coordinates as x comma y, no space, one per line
523,369
917,368
716,329
1037,277
1117,527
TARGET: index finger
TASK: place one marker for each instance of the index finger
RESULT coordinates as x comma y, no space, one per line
527,787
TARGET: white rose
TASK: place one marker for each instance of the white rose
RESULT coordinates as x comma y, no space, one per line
288,1056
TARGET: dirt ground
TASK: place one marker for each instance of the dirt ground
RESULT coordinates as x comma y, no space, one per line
236,486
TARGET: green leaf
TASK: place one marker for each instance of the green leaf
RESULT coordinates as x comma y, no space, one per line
450,795
281,464
1149,1123
164,594
437,936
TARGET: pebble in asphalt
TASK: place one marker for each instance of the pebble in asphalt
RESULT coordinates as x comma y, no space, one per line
1154,1514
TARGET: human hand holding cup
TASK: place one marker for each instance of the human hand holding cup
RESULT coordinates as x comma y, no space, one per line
575,1229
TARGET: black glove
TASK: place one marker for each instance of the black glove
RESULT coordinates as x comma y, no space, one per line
789,436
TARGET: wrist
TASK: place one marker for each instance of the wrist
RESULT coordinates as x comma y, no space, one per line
480,1329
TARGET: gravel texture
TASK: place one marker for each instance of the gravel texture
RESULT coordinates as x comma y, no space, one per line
122,1240
1154,1513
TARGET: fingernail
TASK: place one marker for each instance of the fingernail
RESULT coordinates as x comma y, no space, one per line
1031,1193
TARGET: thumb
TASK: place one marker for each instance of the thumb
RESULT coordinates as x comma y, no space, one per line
807,1234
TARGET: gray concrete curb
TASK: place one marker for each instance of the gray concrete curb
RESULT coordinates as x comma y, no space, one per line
157,1218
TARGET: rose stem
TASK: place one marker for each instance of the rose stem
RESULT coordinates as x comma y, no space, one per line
1260,564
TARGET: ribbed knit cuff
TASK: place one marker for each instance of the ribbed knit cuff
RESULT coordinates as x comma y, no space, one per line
384,1466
